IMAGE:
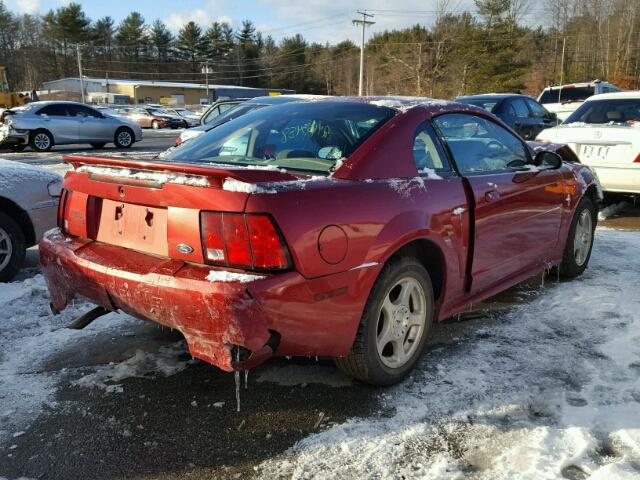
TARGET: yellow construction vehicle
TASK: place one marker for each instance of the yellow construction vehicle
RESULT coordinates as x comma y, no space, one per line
10,99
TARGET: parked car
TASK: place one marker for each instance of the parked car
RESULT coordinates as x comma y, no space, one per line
605,134
563,100
28,205
148,117
218,108
41,125
240,109
526,116
189,118
342,227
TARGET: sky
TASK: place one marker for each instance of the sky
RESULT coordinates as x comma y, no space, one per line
317,20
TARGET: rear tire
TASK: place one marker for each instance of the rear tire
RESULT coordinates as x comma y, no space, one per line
394,327
12,248
577,251
123,138
41,141
98,146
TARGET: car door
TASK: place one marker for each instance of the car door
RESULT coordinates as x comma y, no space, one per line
56,119
542,118
523,121
91,124
518,207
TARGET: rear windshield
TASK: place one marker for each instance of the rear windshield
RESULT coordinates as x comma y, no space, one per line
299,136
626,111
488,105
567,94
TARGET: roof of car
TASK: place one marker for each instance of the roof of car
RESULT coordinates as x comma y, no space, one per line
632,95
578,84
491,96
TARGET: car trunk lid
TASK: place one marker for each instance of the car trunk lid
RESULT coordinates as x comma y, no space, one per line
600,145
152,206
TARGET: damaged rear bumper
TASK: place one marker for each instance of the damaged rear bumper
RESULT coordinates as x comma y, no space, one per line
221,321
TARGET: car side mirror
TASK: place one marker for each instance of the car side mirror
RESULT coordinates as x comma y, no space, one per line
547,160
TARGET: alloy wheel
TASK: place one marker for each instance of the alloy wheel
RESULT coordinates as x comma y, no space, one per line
583,237
124,138
401,322
41,141
6,248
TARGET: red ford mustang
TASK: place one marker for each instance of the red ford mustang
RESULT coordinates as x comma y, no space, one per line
342,227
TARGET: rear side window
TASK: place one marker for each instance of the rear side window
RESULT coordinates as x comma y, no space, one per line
478,145
81,111
567,94
53,111
520,108
427,152
537,109
621,111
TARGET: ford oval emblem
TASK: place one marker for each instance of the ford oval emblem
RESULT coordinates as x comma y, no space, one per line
184,248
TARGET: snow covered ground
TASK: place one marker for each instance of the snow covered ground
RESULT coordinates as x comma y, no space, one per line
552,390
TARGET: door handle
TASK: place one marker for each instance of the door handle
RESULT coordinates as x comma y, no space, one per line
492,195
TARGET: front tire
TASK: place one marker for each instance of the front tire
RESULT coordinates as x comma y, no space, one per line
41,141
394,326
577,251
12,248
123,138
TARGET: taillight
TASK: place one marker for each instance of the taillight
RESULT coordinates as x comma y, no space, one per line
63,214
637,160
178,141
250,241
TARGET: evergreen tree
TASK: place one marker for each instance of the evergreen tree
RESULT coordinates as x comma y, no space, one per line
190,45
162,41
132,36
103,36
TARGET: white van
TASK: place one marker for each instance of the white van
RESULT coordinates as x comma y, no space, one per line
563,100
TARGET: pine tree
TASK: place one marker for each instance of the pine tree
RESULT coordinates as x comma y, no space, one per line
190,45
162,41
103,36
132,36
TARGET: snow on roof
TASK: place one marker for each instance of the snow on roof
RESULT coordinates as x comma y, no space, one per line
632,95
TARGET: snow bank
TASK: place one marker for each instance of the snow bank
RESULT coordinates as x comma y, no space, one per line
29,336
551,391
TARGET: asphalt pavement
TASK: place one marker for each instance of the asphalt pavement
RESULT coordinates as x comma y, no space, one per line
186,425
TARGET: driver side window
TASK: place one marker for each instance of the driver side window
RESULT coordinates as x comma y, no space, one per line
480,146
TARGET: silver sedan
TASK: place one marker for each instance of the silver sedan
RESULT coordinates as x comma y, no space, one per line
41,125
29,198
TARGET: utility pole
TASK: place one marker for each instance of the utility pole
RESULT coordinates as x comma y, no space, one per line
80,71
564,42
364,22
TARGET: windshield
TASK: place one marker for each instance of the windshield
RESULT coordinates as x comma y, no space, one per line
567,94
625,111
300,136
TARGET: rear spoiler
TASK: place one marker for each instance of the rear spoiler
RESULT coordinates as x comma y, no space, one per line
218,172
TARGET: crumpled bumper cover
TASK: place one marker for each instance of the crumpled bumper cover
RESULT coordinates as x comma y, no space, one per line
213,316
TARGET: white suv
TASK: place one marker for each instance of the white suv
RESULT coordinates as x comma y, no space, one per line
563,100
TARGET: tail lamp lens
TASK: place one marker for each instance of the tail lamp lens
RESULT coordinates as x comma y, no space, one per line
63,211
247,241
637,160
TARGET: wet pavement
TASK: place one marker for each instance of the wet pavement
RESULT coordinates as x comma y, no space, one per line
185,425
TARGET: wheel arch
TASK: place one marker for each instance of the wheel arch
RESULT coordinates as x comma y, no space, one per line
21,217
429,254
